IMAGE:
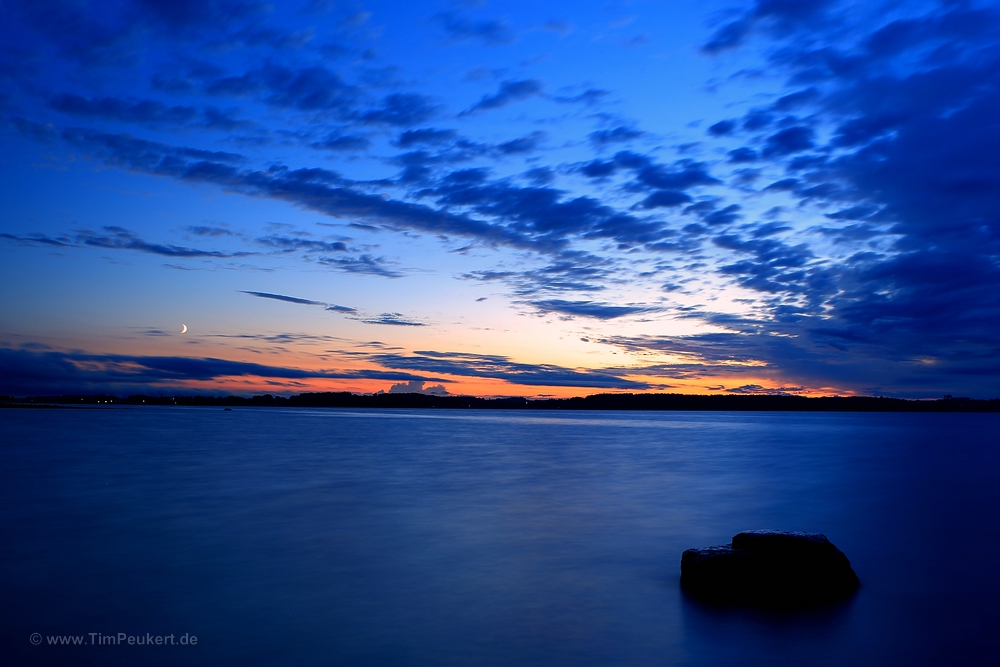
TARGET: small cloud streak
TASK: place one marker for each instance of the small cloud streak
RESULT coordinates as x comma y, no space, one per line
393,319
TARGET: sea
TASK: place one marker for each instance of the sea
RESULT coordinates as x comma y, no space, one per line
199,536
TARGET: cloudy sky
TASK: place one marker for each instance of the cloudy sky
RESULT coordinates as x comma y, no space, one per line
500,198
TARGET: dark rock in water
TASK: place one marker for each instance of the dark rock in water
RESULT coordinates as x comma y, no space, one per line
769,568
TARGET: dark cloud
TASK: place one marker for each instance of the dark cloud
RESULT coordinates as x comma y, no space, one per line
651,175
112,108
426,136
39,372
589,97
288,243
335,141
184,13
742,155
780,17
117,238
790,140
758,389
401,110
365,263
665,198
722,128
542,212
101,34
540,175
594,309
908,172
502,368
491,32
572,271
508,93
617,135
524,144
289,299
313,88
317,189
44,132
393,319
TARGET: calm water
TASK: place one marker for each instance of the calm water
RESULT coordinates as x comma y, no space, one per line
334,537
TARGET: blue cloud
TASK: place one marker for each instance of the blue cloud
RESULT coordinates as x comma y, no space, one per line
39,372
393,319
502,368
508,93
594,309
491,32
118,238
620,134
282,297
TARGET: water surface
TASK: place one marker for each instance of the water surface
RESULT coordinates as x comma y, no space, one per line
353,537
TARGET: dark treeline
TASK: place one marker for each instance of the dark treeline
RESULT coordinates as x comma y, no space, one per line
755,402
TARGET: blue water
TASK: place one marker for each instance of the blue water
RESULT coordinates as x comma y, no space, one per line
352,537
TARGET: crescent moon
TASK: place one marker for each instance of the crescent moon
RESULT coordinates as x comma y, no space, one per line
184,328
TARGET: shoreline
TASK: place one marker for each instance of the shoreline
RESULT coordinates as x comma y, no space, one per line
595,402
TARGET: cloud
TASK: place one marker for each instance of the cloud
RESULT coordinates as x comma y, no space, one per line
400,109
376,266
649,174
317,189
541,212
525,144
208,230
903,142
118,238
491,32
743,155
508,93
336,141
665,198
594,309
787,141
571,271
332,307
561,27
313,88
589,97
875,130
777,17
289,299
287,243
758,389
496,212
417,387
28,372
722,128
393,319
502,368
426,136
142,111
617,135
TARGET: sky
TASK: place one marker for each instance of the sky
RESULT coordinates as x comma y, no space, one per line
500,198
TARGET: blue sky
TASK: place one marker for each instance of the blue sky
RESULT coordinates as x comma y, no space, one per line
539,199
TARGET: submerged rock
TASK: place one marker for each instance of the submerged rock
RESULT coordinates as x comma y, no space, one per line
769,568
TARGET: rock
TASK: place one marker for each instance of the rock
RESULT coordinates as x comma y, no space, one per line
769,568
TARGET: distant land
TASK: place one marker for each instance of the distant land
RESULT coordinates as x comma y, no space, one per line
753,402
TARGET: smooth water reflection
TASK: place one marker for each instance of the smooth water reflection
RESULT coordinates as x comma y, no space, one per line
324,537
